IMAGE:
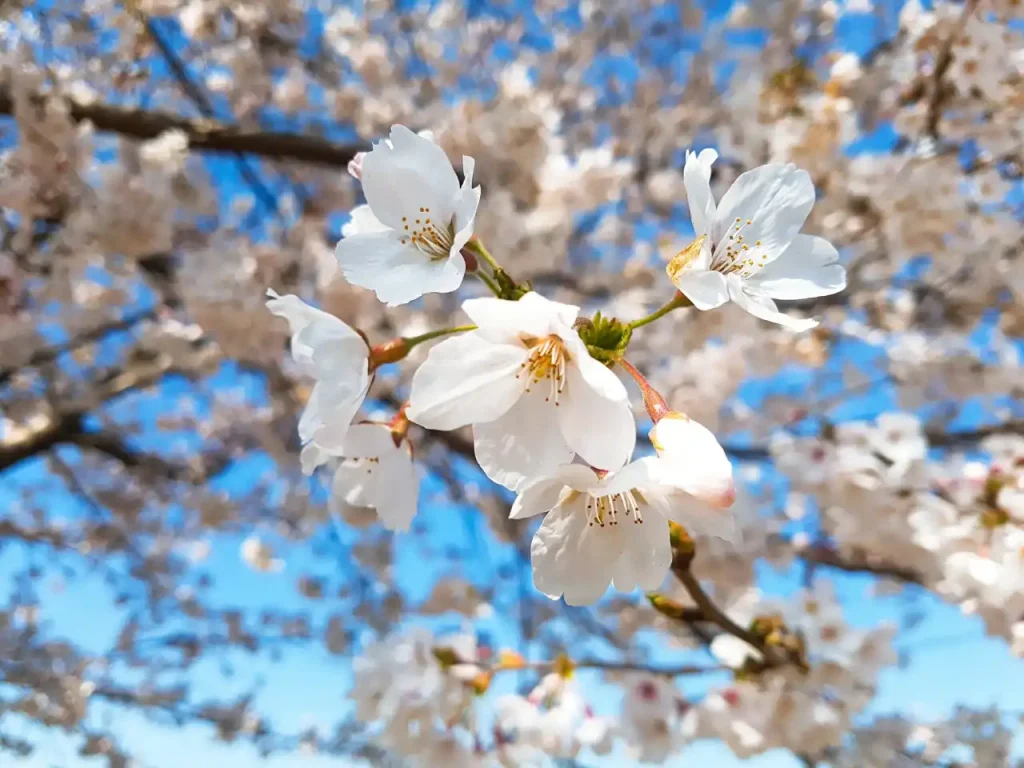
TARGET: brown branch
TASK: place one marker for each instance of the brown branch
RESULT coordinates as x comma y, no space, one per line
936,87
821,554
204,134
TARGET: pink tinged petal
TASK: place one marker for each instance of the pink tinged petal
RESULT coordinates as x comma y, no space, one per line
706,289
775,199
595,416
647,553
397,272
405,174
572,558
761,306
466,380
697,180
523,443
693,460
697,517
809,267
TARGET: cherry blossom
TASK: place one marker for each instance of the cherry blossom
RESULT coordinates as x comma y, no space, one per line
338,358
692,449
408,240
375,469
748,248
527,383
606,529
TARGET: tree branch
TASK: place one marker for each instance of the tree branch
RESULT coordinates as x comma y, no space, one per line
204,134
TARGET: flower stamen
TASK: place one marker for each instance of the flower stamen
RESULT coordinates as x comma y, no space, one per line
547,360
603,510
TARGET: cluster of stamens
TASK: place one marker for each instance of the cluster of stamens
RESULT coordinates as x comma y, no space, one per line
604,510
734,255
547,360
433,240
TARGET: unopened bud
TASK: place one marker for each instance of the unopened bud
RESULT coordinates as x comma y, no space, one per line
511,660
481,683
665,606
388,352
563,666
446,657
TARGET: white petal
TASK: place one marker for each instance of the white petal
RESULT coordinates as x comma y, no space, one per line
694,459
368,440
361,221
537,497
465,380
311,327
775,199
647,553
523,443
763,307
595,416
533,315
311,457
466,204
332,407
809,267
355,484
706,289
397,272
696,516
732,651
405,174
397,490
571,558
697,180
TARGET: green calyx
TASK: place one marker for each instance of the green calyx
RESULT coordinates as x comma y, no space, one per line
606,338
509,288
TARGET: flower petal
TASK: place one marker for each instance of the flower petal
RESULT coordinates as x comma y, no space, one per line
595,415
775,199
646,556
697,180
809,267
763,307
571,558
361,221
533,315
311,327
397,490
329,413
465,380
523,443
398,272
706,289
696,516
466,203
693,460
408,173
537,496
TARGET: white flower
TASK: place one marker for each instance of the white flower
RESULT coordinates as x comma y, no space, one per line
408,240
338,358
377,472
526,382
655,718
605,530
685,444
748,248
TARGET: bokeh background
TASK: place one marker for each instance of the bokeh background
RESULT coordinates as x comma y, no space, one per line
174,591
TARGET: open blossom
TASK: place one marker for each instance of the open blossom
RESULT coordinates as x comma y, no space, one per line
376,470
338,358
526,382
748,248
408,240
656,719
610,529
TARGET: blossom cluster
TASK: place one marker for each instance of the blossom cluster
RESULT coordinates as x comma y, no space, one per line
538,383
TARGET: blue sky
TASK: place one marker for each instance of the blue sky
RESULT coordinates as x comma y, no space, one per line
950,661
